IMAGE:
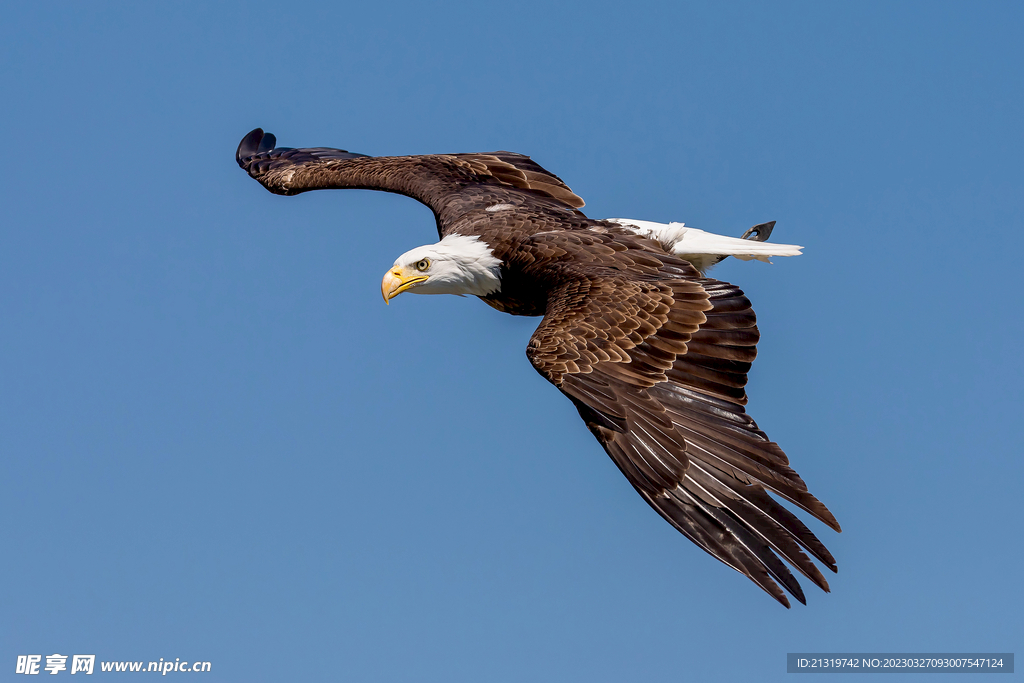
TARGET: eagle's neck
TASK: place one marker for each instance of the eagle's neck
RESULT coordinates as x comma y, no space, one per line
481,269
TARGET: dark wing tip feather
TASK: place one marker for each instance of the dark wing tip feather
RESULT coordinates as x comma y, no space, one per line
288,171
267,144
256,142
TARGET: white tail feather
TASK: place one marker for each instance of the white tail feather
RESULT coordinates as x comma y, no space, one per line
701,248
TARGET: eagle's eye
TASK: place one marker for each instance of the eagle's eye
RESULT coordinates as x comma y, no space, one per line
422,264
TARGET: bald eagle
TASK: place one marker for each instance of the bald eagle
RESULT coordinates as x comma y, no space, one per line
653,354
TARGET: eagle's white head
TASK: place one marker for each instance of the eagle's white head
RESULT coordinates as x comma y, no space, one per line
458,264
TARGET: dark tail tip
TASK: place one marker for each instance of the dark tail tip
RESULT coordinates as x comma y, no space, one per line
256,142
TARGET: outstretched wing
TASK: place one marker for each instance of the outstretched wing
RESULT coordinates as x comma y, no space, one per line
656,367
450,184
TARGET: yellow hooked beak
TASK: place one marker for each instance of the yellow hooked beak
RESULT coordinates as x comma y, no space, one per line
397,280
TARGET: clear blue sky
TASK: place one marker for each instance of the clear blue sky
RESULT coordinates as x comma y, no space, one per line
218,443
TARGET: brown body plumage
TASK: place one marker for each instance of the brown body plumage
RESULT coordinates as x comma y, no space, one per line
653,355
